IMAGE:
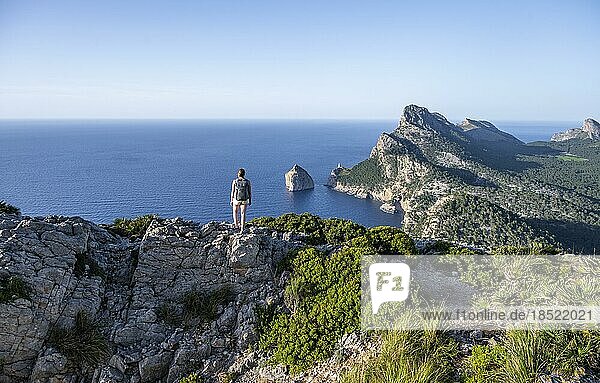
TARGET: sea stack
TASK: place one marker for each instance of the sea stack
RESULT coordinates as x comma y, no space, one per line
297,179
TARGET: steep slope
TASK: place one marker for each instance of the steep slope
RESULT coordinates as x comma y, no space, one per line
486,131
427,165
590,130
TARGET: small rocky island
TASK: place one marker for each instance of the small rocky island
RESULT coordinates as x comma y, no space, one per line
297,179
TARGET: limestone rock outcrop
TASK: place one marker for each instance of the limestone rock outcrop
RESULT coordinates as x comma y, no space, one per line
297,179
389,208
480,130
589,130
73,265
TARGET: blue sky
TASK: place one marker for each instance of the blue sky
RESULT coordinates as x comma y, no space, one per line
517,60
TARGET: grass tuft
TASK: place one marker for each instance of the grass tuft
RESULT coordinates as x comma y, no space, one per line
525,356
194,307
408,357
83,344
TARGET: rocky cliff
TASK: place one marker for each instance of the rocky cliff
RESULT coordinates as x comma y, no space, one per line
474,184
486,131
589,130
297,179
137,292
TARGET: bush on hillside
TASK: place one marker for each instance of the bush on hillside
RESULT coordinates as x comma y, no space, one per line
385,240
133,227
319,231
327,300
6,208
194,307
409,357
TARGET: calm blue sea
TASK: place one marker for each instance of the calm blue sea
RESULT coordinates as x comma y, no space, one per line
101,170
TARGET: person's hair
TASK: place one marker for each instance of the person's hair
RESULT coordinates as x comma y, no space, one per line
241,172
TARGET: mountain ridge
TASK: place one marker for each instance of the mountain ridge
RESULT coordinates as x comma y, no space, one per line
427,159
589,130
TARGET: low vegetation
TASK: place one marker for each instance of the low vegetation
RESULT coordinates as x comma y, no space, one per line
323,294
365,173
318,231
191,378
322,304
470,219
6,208
83,343
133,227
194,307
13,287
526,355
409,357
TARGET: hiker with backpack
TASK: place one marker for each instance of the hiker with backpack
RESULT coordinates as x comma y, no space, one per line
241,198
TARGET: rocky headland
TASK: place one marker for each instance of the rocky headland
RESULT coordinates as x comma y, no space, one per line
474,184
589,130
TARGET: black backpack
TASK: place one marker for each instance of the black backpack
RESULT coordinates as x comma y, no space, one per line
242,190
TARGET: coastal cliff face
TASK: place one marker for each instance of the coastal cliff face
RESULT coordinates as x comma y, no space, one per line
476,185
134,290
589,130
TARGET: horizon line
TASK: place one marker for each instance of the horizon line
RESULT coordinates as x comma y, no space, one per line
100,119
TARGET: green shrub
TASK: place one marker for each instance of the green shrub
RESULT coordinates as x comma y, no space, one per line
265,315
323,293
408,357
304,223
191,378
444,247
170,313
534,249
83,344
385,240
202,306
136,227
318,231
327,295
12,288
6,208
194,307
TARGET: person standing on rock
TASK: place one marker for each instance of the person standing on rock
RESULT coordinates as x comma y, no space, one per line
241,198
